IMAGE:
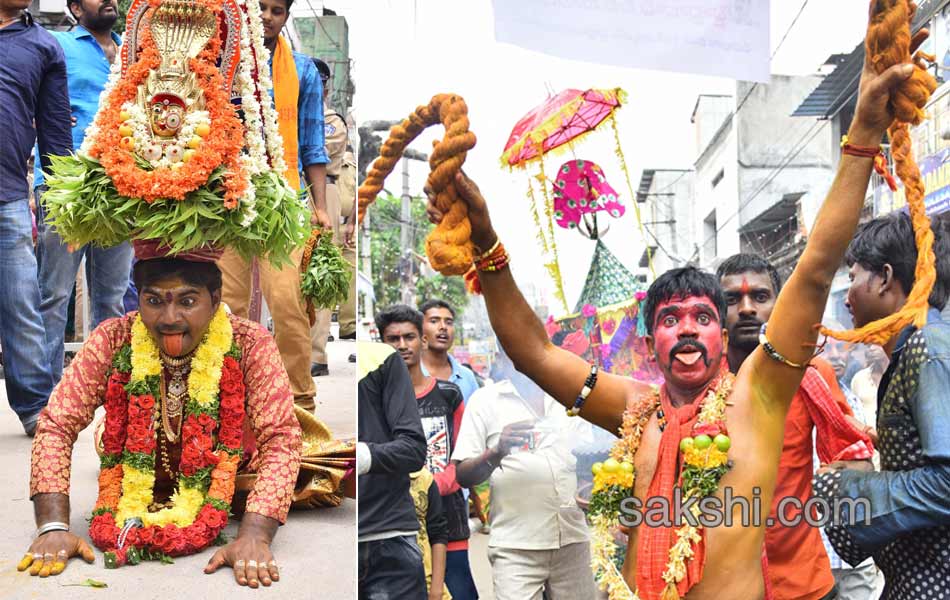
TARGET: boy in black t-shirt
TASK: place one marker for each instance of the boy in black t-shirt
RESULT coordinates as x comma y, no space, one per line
440,408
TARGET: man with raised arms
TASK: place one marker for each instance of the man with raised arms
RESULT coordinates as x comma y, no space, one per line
685,316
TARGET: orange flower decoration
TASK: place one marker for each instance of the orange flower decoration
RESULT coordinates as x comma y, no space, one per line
222,477
110,487
221,147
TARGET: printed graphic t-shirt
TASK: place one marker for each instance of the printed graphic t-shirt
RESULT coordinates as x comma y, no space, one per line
441,407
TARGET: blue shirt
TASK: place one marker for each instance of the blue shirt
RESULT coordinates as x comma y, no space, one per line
461,376
310,142
32,89
87,70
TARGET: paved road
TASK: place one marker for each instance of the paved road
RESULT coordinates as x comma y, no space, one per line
316,549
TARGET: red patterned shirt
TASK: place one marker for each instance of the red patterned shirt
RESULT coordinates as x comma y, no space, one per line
269,412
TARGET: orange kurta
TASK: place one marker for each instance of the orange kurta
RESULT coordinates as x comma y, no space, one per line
269,413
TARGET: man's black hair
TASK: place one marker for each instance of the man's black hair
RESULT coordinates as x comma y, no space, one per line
890,240
746,263
69,3
199,274
683,281
398,313
322,68
436,303
289,3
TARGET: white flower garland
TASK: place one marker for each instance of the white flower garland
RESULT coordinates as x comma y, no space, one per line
275,144
92,130
263,146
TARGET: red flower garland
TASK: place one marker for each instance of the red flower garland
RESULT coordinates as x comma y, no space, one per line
130,423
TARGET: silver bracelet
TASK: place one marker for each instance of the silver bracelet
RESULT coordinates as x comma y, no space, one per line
51,526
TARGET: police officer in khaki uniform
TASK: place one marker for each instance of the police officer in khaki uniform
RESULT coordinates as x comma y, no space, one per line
346,184
335,136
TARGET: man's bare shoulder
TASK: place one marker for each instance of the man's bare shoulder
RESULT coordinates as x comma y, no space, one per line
636,390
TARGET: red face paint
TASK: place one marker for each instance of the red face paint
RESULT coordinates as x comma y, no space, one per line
691,318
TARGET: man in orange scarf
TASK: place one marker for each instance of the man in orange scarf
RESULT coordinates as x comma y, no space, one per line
685,315
298,98
798,566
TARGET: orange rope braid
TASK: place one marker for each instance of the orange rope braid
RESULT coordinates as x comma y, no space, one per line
888,43
449,245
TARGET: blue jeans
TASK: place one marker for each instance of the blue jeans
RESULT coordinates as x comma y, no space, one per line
391,569
107,277
23,340
458,576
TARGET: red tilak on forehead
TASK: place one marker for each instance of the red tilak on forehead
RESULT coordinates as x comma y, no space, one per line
745,287
168,297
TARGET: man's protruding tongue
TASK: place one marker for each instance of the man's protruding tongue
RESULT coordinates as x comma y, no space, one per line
173,343
689,358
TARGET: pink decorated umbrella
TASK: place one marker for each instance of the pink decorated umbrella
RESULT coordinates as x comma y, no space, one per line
556,125
561,119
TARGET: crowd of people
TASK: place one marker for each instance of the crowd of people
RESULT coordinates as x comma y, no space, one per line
793,418
189,311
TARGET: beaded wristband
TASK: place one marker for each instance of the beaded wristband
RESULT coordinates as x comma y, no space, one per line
775,354
589,384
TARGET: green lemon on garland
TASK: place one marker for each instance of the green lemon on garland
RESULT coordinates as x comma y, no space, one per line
626,467
686,443
596,468
702,441
611,465
723,443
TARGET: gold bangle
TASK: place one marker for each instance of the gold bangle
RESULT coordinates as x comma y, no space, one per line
489,252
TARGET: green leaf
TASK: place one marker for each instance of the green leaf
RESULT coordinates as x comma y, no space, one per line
85,208
87,583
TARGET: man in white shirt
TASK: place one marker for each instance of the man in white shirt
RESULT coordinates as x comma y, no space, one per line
539,538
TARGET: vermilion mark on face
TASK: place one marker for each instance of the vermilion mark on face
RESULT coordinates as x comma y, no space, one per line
745,287
169,298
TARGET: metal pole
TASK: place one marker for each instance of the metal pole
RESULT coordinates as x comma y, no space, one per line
367,268
405,236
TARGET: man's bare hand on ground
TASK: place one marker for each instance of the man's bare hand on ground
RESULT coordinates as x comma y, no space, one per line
249,554
49,553
251,560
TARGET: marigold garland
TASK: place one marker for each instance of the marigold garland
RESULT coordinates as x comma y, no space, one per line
704,464
222,146
206,484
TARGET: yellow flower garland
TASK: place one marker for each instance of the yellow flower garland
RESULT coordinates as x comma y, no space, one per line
603,548
203,383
